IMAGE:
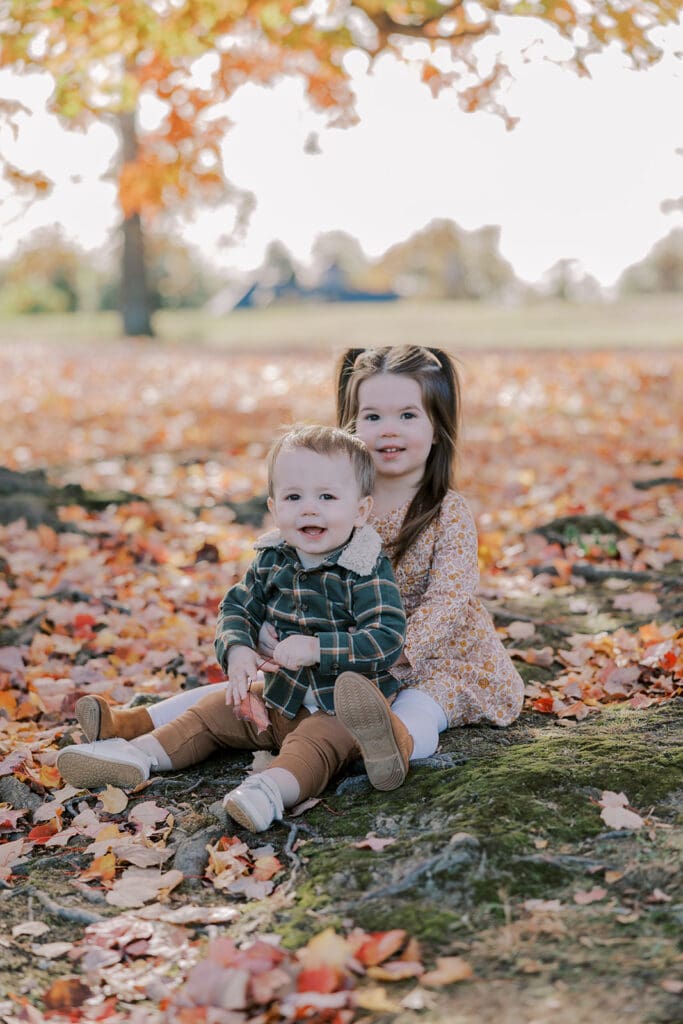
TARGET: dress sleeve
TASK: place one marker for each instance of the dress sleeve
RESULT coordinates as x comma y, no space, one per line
453,582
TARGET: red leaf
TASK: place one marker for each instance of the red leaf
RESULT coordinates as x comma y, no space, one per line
252,709
318,979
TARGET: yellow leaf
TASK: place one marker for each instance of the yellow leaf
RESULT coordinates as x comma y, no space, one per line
113,800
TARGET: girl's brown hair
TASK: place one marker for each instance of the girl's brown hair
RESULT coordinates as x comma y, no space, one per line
435,372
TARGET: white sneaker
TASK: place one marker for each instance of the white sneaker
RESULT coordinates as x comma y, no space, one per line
115,762
255,804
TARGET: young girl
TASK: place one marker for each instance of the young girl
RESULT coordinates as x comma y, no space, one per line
404,402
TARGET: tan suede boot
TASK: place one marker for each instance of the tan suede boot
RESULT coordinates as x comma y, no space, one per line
100,721
385,743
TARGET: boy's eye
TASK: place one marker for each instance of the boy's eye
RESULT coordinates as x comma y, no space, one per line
292,497
328,497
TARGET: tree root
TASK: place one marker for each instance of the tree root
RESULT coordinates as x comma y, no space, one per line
73,914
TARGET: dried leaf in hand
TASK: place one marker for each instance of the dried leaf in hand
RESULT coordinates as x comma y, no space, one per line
252,709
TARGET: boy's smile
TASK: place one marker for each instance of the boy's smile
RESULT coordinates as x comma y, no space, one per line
316,501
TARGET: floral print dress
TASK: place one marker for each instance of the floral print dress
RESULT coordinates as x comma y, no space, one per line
453,650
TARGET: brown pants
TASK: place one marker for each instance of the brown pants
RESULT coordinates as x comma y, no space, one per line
313,747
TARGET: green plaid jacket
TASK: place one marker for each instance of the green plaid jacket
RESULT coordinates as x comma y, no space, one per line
353,587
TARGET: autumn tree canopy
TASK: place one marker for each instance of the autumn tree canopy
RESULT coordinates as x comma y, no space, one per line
104,56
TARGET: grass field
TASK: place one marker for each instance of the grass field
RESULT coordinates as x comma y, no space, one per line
643,323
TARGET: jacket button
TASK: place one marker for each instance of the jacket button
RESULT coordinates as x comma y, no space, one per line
304,606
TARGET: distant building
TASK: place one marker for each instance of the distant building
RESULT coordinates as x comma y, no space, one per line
260,292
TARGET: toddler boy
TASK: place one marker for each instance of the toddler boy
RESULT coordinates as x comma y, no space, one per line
322,582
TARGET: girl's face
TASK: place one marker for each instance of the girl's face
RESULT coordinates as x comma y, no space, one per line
394,424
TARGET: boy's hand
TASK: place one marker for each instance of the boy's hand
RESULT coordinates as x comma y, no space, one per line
297,650
267,640
242,669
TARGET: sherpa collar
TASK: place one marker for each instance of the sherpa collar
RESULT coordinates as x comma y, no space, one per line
359,555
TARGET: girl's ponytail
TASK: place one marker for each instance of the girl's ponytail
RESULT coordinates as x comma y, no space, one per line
343,376
452,379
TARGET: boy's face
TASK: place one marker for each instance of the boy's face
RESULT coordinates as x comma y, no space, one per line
316,502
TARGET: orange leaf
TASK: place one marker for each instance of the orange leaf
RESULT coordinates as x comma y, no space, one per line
8,702
319,979
265,868
41,833
380,946
50,777
66,994
448,970
103,867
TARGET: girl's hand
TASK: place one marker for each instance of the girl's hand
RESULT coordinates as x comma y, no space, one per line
242,669
267,640
402,660
297,650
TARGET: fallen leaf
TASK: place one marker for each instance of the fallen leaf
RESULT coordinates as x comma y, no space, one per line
323,978
448,969
51,950
372,842
136,887
544,906
519,630
628,918
66,994
657,896
34,928
148,815
672,985
374,1000
103,868
379,946
305,805
113,800
586,896
395,970
265,868
615,813
640,602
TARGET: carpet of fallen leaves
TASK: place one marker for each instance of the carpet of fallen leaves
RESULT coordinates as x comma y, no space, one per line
572,466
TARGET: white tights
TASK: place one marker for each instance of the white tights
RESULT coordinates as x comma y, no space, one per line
422,716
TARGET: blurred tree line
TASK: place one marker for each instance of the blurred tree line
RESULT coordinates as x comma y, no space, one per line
441,261
105,59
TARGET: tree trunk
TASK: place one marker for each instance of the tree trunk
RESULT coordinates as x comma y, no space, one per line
135,301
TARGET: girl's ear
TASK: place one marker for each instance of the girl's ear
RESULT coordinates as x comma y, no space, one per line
271,504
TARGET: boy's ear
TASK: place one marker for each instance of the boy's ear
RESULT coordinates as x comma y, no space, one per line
270,503
364,509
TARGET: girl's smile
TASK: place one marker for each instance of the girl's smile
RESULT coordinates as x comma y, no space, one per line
394,424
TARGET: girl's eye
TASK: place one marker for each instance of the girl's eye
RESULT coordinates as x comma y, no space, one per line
407,415
371,417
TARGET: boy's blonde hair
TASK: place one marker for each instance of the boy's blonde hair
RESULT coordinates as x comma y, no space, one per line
327,441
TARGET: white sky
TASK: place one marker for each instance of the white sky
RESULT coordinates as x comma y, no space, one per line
581,176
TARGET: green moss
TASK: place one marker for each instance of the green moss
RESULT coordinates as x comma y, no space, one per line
427,921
